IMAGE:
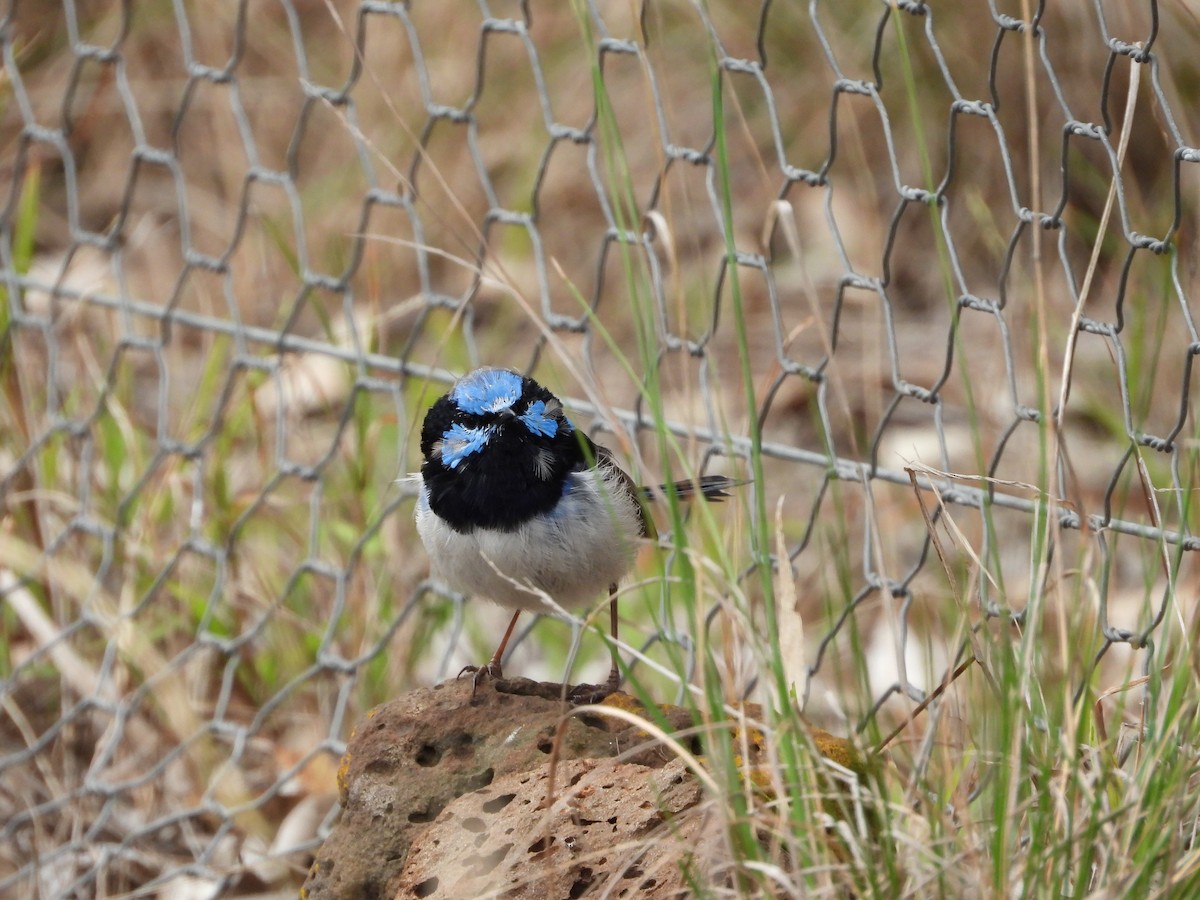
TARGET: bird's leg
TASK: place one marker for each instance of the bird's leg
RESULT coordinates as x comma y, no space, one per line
492,669
594,693
614,674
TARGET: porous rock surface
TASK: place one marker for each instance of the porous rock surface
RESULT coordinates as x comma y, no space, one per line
600,828
452,794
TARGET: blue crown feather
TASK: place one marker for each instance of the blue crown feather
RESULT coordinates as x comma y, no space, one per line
487,391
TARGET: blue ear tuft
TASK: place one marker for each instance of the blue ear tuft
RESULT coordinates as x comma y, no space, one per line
536,420
459,442
487,391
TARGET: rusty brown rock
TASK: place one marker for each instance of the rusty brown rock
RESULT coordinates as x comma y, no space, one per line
599,827
411,758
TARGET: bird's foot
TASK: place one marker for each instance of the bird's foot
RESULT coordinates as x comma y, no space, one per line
584,694
480,674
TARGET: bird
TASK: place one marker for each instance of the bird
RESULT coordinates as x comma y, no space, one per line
516,504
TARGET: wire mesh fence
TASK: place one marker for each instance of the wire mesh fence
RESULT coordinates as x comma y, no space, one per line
243,246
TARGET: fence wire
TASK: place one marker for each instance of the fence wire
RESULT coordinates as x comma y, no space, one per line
244,246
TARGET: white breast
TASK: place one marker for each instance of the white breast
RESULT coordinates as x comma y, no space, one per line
572,553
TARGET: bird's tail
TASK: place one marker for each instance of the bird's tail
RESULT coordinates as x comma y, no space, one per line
711,487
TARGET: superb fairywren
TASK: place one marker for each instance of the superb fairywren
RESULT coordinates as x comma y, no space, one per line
517,503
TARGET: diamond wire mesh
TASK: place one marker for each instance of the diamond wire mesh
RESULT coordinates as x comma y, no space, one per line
239,241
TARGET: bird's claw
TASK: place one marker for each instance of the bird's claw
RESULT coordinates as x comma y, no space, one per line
585,694
480,674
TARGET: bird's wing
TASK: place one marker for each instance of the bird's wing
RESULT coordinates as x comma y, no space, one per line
711,487
604,459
